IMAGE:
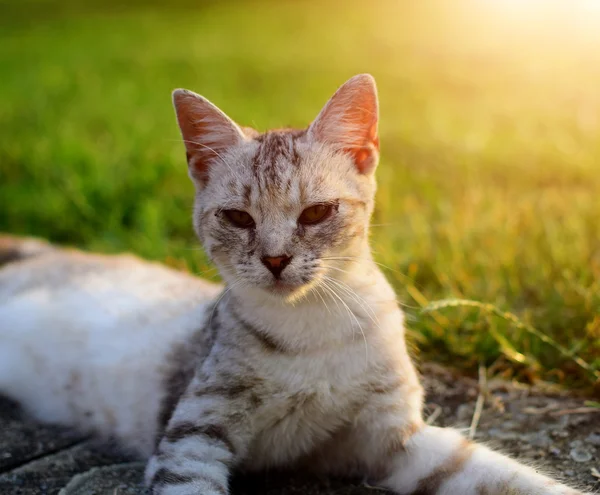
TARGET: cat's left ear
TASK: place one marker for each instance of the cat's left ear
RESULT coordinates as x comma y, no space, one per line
207,133
348,122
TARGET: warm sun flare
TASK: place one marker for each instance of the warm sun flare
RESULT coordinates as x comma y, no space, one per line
544,22
524,7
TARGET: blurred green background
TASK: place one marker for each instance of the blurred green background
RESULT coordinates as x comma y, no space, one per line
490,130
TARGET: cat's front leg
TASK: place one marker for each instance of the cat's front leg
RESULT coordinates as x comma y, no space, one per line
207,435
440,461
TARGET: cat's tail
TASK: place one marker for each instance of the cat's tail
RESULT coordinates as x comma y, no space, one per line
14,249
440,461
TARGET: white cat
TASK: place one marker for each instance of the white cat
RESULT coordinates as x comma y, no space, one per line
300,359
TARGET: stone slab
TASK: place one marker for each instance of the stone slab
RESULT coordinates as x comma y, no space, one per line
23,440
48,474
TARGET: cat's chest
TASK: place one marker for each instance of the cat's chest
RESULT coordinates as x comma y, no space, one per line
303,405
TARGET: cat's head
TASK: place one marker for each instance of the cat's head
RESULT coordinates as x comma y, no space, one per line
285,210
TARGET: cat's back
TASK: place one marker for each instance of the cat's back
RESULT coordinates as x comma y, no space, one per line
90,301
31,265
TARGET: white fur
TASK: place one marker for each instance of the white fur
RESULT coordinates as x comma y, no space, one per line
93,342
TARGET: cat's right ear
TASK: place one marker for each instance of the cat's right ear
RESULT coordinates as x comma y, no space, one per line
207,132
348,122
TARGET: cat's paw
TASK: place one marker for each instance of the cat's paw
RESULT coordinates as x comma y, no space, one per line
170,476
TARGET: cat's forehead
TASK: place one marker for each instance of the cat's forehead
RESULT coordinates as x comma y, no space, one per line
277,151
281,171
281,164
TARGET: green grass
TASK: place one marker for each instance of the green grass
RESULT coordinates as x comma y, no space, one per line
490,169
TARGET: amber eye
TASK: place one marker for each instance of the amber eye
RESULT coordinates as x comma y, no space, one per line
239,218
315,214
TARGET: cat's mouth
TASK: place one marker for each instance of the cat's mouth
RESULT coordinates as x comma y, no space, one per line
287,290
284,288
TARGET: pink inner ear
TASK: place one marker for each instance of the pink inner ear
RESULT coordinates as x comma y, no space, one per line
366,153
349,122
207,132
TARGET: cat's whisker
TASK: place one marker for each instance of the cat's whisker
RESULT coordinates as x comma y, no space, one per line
401,303
318,292
369,312
196,143
228,289
328,290
345,287
204,272
362,332
211,276
361,301
364,260
325,284
356,258
337,268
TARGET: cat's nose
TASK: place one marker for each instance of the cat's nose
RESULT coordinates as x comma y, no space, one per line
276,264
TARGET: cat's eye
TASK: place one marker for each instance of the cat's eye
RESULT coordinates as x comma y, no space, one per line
239,218
315,214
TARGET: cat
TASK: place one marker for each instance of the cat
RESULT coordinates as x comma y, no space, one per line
300,360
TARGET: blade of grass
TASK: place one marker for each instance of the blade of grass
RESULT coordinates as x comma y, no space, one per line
514,320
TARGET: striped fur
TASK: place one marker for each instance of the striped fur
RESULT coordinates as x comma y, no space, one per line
310,369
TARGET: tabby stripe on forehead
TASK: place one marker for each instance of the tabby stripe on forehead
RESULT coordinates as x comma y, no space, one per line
217,433
432,483
295,154
256,163
272,145
268,343
247,194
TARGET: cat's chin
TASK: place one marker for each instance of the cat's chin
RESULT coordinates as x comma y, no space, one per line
283,289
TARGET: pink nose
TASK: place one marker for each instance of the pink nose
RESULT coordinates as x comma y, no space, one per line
276,264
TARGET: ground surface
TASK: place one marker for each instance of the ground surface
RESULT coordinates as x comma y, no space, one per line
551,429
490,117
